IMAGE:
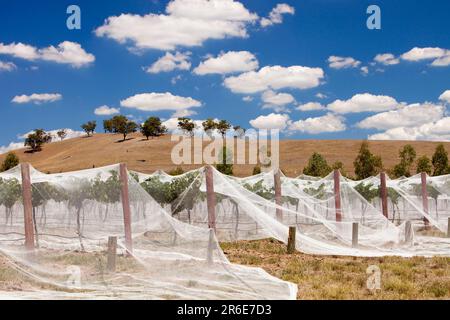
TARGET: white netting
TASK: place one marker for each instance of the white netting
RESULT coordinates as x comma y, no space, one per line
246,209
75,213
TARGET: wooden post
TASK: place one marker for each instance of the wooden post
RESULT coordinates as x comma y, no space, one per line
27,206
210,198
126,207
408,232
291,240
112,254
384,202
355,234
423,178
209,257
448,227
277,186
337,195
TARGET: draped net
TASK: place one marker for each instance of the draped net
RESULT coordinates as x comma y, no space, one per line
75,213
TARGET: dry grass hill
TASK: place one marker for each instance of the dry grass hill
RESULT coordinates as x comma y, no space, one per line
150,155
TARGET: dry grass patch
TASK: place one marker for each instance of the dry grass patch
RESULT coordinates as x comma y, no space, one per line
334,277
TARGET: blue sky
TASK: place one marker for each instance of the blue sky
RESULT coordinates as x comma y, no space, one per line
283,57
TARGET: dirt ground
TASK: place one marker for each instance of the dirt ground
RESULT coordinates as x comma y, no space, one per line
318,277
153,154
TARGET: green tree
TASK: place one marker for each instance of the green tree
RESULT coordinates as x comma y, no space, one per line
223,126
36,139
121,124
256,170
89,127
186,125
176,172
108,126
407,156
10,161
424,165
366,164
153,127
338,165
225,164
440,161
239,132
317,166
62,134
209,125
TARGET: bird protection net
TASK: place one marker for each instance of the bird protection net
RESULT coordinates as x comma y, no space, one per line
249,208
78,218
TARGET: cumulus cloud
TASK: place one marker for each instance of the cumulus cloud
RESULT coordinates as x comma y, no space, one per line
66,52
7,66
275,77
276,100
440,56
106,111
53,133
434,131
406,116
445,96
37,98
186,23
276,15
271,121
229,62
364,70
321,95
364,102
247,98
336,62
327,123
310,106
387,59
183,113
159,101
170,62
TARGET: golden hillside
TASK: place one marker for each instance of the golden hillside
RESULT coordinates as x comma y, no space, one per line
150,155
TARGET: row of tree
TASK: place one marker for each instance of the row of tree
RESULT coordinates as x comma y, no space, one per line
367,164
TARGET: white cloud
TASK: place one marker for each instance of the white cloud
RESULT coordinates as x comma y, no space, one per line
183,113
275,77
186,23
440,57
327,123
407,116
387,59
276,100
271,121
10,147
159,101
336,62
445,96
247,98
7,66
434,131
321,95
310,106
53,133
364,102
106,111
365,70
229,62
37,98
170,62
276,15
66,52
175,79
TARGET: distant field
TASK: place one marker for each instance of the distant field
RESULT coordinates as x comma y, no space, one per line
154,154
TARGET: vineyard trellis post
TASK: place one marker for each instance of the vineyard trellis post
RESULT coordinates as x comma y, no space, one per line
384,202
126,207
278,202
27,206
355,234
210,198
423,178
337,195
